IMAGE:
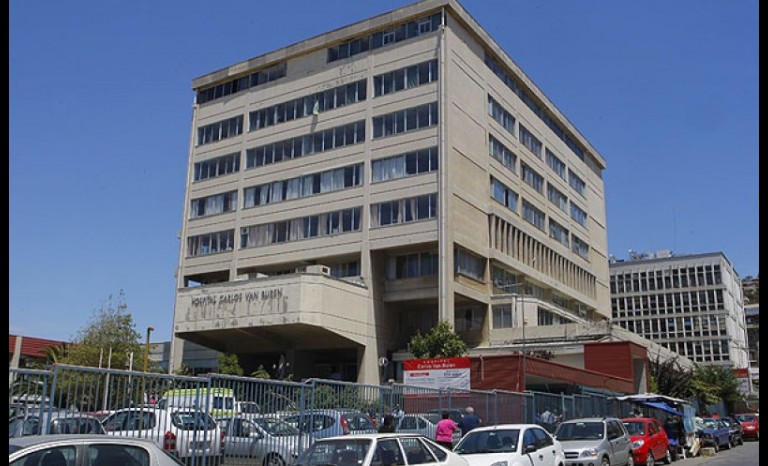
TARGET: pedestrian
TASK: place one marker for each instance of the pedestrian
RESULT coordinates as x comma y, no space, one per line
469,421
444,431
388,425
398,413
547,419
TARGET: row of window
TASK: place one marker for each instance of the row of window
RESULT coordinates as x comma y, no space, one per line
384,38
220,130
308,144
536,217
529,101
342,221
662,303
404,210
509,158
308,105
241,84
405,78
304,186
670,278
398,166
409,119
413,118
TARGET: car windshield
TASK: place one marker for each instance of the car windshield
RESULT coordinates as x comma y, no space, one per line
434,418
488,441
746,418
710,423
579,431
276,427
191,420
339,452
635,428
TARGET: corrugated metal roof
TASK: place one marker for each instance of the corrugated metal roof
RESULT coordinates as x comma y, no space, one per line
31,346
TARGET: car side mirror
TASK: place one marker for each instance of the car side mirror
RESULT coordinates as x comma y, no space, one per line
530,448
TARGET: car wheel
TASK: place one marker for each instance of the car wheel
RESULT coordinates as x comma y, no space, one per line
650,461
741,440
605,461
631,458
668,457
273,460
717,447
728,445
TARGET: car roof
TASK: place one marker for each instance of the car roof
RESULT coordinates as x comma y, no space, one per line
504,427
591,419
30,440
369,436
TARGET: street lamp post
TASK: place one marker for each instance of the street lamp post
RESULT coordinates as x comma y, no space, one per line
144,396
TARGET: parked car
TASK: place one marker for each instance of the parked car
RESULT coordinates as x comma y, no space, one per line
321,423
93,450
649,440
750,425
604,441
219,401
269,440
61,422
510,444
424,424
378,450
737,432
713,432
190,433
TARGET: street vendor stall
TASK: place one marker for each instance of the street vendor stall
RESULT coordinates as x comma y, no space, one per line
666,408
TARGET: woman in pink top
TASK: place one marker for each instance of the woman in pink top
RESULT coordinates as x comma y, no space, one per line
444,431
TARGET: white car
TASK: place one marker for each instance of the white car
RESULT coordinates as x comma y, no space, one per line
510,445
93,450
187,432
269,440
388,449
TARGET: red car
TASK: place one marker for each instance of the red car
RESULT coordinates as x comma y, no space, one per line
750,424
649,440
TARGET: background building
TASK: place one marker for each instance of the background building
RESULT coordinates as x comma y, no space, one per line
690,304
354,188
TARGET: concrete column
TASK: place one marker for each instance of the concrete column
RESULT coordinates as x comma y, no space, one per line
177,354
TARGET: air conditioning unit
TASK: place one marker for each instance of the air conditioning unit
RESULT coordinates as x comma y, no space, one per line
257,275
242,278
322,269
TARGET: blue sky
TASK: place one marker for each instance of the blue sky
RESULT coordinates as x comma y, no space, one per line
101,105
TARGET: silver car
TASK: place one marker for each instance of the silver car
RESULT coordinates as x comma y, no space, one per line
94,450
599,441
269,440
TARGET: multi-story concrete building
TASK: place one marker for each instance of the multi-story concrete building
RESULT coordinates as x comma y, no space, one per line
354,188
690,304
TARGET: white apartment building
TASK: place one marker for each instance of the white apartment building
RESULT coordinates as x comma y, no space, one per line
357,187
691,304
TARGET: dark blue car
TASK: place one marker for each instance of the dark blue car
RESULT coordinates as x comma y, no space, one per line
713,432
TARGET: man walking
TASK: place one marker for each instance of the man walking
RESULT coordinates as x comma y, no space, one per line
469,421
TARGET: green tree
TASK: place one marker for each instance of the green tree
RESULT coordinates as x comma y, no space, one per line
715,383
110,327
440,342
229,364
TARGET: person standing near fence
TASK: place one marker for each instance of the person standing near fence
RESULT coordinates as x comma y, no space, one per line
444,431
469,421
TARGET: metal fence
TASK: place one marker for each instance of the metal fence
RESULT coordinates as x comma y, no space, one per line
242,405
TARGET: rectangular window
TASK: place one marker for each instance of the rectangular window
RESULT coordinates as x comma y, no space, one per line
219,166
502,194
468,264
405,78
530,141
220,130
557,165
502,316
501,153
211,243
420,117
579,247
532,178
533,215
557,198
212,205
558,232
402,165
576,183
578,214
501,115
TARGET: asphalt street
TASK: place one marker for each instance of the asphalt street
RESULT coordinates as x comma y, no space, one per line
741,455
